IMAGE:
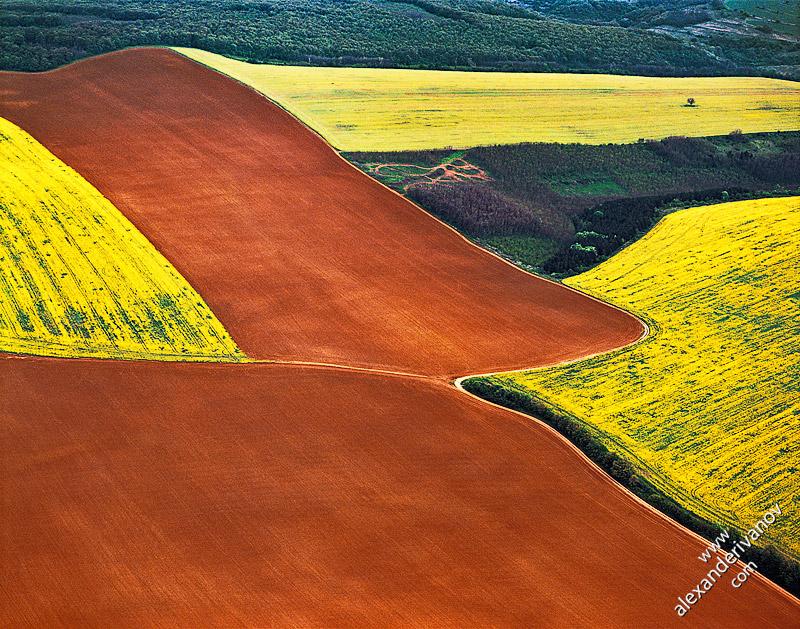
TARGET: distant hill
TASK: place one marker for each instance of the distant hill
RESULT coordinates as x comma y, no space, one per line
681,37
764,34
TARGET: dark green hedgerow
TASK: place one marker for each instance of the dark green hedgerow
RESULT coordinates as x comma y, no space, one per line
591,201
771,563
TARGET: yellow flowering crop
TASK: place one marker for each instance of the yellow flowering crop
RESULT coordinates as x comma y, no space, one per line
709,403
77,279
373,109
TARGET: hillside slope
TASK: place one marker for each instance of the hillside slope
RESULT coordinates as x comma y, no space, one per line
270,495
275,494
562,208
654,39
298,253
393,110
707,404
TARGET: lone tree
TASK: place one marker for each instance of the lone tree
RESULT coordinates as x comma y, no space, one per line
690,101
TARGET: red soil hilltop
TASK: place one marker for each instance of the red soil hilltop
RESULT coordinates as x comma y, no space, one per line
300,255
163,494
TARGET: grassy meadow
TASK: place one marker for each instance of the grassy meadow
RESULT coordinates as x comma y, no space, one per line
373,109
707,404
77,279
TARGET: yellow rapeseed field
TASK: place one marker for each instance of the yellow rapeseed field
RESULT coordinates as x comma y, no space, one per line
77,279
709,403
369,109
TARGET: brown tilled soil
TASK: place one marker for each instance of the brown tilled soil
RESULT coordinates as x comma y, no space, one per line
300,255
154,494
144,494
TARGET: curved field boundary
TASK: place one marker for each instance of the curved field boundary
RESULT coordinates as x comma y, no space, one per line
459,384
723,435
272,494
301,259
645,326
312,494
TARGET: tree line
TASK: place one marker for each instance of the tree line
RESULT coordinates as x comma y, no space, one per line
462,34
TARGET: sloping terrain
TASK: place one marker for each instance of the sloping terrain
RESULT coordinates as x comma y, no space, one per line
300,255
372,109
446,34
707,403
77,279
209,495
145,494
771,16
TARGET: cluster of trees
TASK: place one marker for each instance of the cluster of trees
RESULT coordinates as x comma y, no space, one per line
637,13
675,164
592,200
605,228
781,569
742,167
755,159
479,210
474,34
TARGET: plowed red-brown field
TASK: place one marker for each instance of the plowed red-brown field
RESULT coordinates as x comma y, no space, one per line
299,255
147,494
159,494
